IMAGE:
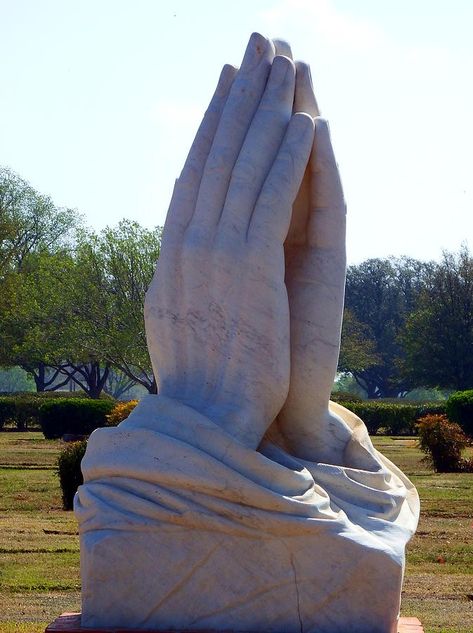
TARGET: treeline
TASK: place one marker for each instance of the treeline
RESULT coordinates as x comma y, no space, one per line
409,324
71,298
71,304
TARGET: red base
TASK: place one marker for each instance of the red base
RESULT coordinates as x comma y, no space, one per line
70,623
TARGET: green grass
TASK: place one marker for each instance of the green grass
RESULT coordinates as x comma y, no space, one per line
39,545
438,586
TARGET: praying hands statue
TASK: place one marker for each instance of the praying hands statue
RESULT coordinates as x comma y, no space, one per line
243,319
239,498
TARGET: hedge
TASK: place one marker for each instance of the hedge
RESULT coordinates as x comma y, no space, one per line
73,416
8,412
392,418
22,408
460,410
69,472
344,396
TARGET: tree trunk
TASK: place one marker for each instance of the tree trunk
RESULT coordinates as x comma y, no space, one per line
90,377
40,377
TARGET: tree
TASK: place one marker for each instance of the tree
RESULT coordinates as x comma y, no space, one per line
31,227
75,314
118,384
29,222
357,348
438,336
380,294
71,302
114,270
32,316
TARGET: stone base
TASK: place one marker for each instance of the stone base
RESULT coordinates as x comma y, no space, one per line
70,623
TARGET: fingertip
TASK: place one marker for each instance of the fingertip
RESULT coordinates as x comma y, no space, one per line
228,69
282,69
303,69
322,123
322,129
255,38
304,99
301,134
258,48
282,47
225,80
303,121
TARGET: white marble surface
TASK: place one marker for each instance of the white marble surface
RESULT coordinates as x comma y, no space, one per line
239,499
182,527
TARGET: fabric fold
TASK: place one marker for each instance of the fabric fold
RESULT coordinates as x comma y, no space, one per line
167,477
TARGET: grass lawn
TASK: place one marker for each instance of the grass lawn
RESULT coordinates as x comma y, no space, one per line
39,546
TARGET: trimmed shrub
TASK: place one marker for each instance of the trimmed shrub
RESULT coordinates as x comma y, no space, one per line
69,472
22,408
344,396
442,441
7,410
73,416
460,410
120,412
392,417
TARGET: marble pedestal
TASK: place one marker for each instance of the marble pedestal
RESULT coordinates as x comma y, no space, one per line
70,623
182,528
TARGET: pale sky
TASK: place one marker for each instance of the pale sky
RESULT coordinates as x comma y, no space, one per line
100,100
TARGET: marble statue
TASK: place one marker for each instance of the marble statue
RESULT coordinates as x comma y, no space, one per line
240,498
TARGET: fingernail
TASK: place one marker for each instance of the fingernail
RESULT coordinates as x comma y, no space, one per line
279,70
254,51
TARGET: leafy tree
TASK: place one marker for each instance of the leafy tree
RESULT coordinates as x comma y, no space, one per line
37,326
114,269
31,227
29,222
346,384
357,349
380,294
75,314
438,336
32,316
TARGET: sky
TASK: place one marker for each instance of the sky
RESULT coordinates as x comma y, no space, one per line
100,100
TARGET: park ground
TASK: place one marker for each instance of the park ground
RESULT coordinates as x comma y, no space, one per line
39,546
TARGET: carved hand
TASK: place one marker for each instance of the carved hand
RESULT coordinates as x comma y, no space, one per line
315,279
216,313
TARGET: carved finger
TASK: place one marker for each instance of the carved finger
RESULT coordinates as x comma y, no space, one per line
259,150
328,214
187,185
304,101
242,103
272,214
304,98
